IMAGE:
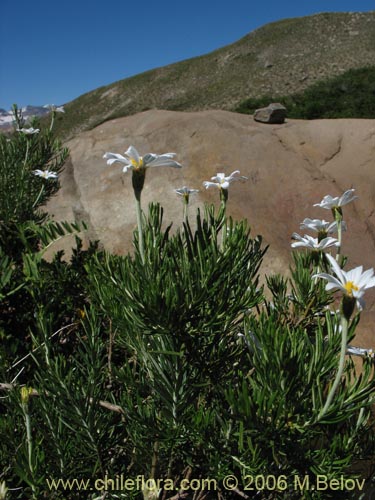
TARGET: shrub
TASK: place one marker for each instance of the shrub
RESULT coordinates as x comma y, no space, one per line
350,95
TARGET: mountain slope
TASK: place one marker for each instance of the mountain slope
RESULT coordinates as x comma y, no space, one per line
277,59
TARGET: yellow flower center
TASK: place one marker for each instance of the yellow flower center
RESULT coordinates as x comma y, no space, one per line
349,287
137,164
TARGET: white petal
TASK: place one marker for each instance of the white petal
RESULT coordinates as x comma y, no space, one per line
300,244
232,177
367,279
331,285
328,242
354,275
332,281
186,191
208,184
327,202
218,177
370,283
360,303
337,269
133,154
113,157
360,351
296,236
163,162
347,197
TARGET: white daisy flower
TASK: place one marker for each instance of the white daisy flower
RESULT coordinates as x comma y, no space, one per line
360,351
133,161
45,174
353,283
186,192
321,226
55,109
313,243
330,203
29,131
223,182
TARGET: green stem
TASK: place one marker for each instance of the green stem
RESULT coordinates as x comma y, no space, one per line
339,237
23,171
185,214
27,152
29,441
52,120
39,195
337,214
223,198
139,223
344,340
138,180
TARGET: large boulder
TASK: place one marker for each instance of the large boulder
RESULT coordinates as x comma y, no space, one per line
273,113
290,167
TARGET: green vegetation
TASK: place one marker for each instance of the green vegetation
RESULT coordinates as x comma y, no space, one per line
169,367
351,95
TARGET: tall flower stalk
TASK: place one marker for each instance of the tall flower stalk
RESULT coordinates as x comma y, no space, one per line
28,132
25,397
185,192
222,182
44,174
353,285
54,109
138,165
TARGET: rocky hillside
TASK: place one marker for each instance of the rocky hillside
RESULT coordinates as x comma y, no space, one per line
277,59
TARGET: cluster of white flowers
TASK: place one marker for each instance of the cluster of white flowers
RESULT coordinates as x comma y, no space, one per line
322,227
352,283
134,161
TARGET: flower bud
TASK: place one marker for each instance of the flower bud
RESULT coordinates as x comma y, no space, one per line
138,180
347,306
25,394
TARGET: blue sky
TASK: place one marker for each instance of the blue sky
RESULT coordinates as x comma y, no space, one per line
53,51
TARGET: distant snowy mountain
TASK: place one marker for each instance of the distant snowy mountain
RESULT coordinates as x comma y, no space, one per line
6,117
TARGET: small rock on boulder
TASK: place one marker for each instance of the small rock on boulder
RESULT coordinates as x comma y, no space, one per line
273,113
